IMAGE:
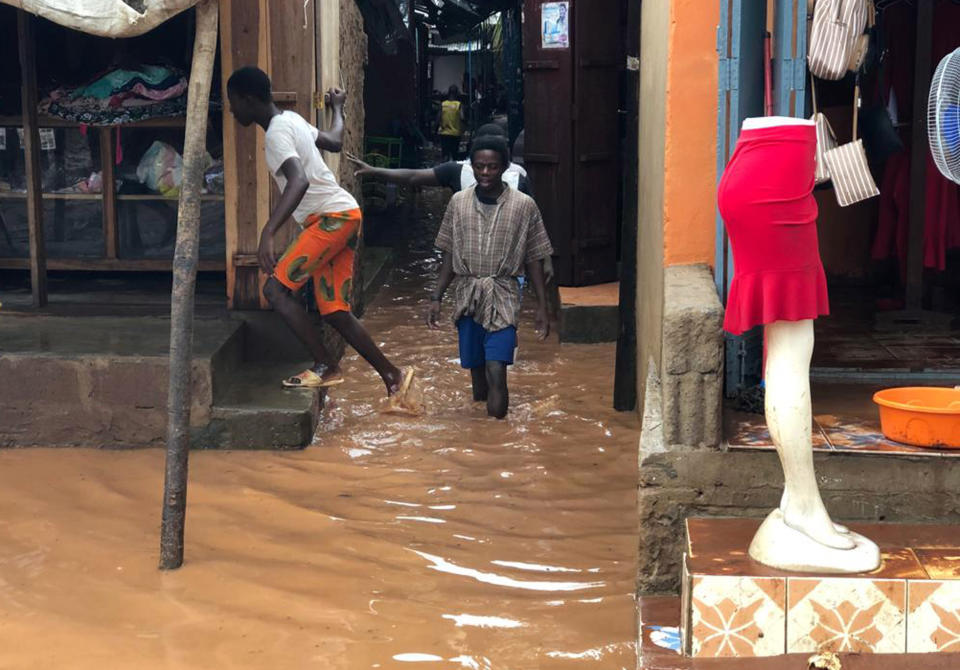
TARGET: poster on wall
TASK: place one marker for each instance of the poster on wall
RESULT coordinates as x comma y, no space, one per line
554,29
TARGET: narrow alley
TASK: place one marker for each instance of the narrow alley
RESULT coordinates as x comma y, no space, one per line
450,540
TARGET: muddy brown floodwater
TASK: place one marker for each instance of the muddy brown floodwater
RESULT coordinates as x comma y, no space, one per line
447,541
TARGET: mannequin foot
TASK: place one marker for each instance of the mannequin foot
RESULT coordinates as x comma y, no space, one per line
839,527
779,546
819,528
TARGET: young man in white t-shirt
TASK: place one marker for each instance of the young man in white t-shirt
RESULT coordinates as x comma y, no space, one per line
330,222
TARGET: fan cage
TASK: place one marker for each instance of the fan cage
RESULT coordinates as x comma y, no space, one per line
943,116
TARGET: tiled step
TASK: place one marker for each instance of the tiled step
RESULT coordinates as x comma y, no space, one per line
734,606
658,648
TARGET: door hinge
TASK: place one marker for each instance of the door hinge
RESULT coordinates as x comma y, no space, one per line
633,64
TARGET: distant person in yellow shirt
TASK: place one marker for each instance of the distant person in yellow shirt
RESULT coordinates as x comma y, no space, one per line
450,124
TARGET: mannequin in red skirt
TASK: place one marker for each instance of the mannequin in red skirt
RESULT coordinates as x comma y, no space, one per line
766,200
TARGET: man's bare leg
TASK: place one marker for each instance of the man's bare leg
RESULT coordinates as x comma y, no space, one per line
478,379
295,316
357,337
498,397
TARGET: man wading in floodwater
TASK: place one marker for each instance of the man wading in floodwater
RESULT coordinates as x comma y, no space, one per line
330,222
489,233
455,175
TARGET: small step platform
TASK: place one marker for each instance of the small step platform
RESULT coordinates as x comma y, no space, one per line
732,606
590,314
102,382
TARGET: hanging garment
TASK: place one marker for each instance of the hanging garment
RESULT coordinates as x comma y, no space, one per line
941,196
942,220
766,201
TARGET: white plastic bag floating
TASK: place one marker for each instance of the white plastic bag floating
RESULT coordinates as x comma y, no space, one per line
107,18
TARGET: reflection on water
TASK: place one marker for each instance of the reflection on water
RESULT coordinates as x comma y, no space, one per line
447,541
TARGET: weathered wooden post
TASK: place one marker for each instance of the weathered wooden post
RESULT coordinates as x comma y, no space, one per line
184,283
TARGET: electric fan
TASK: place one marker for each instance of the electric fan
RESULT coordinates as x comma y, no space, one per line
943,116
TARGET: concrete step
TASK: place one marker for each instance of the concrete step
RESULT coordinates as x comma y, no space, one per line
84,381
256,412
97,375
590,314
101,381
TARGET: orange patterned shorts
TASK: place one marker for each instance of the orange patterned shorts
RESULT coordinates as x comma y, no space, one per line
323,251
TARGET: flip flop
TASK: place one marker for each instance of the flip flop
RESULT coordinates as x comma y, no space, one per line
406,400
308,379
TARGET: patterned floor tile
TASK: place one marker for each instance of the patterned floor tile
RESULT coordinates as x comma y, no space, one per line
845,614
940,562
737,616
933,619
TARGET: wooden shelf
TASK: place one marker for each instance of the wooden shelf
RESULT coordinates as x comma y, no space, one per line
205,198
18,195
117,264
56,122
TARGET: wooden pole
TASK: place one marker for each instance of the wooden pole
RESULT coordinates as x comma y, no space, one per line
625,373
922,75
185,260
107,152
31,145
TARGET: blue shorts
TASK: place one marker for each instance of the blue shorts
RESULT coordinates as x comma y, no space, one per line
477,345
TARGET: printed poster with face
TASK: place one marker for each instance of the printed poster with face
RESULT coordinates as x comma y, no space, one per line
554,26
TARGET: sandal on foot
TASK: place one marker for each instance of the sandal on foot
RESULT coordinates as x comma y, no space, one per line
308,379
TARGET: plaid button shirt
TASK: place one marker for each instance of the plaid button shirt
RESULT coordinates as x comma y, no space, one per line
489,253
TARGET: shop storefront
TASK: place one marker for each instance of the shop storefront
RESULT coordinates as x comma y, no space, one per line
111,117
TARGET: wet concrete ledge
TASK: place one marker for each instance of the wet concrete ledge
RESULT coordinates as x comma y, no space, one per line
590,314
95,375
103,382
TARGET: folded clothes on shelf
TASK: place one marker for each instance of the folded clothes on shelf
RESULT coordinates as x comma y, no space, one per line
121,96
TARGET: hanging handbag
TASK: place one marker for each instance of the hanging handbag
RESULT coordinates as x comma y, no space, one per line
837,41
826,138
848,167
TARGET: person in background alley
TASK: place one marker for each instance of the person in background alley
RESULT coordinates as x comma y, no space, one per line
452,174
455,175
489,235
450,122
330,222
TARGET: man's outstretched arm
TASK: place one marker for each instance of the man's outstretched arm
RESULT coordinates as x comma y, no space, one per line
422,177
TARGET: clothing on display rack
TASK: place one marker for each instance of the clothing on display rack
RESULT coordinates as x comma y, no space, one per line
121,96
942,197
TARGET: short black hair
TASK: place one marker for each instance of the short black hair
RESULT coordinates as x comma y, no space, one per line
492,143
250,81
494,129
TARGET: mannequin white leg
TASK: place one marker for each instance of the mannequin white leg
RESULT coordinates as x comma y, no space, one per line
789,419
840,528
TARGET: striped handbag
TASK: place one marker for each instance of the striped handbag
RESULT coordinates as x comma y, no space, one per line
837,40
826,138
848,168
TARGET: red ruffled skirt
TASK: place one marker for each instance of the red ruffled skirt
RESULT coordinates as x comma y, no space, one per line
767,204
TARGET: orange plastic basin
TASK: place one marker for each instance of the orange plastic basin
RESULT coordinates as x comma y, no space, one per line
921,416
